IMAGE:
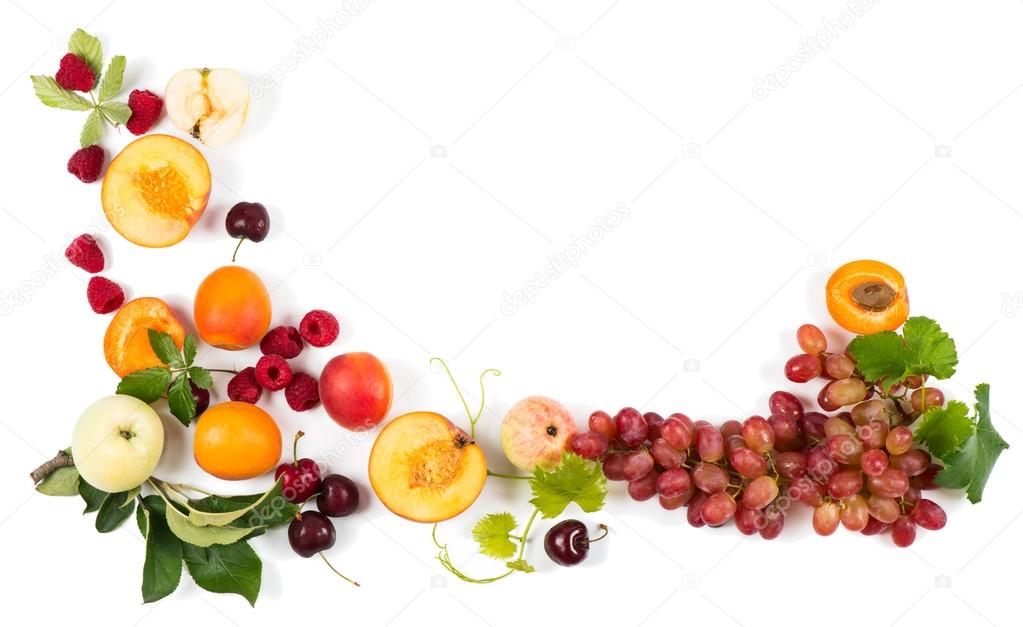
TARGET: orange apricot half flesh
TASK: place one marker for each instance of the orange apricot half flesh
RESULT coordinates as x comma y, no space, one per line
867,296
155,190
426,469
126,343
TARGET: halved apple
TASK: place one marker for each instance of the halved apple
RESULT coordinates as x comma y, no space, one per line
155,190
426,469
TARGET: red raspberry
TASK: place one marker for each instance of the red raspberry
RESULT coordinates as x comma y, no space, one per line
283,341
319,328
303,393
75,74
244,387
85,253
104,295
146,108
273,372
87,163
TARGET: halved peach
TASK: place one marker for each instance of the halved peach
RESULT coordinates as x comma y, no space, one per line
426,469
126,343
155,190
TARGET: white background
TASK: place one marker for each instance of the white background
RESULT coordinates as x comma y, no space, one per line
899,141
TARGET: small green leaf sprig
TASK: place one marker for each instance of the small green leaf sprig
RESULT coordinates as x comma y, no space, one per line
100,104
173,378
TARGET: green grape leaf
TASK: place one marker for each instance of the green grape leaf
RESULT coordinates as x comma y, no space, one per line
970,467
520,565
492,534
574,480
945,429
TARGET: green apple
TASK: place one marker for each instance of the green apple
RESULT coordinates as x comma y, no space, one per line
117,443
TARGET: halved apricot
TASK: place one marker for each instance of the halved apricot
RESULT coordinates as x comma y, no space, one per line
867,296
126,343
155,190
232,308
426,469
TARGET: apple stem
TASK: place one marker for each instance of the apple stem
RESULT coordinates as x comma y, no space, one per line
603,535
60,460
337,572
235,254
294,448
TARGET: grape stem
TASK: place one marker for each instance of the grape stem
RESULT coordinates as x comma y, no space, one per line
473,418
502,475
444,557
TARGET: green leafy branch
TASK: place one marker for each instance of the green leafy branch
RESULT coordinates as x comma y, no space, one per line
100,104
172,379
209,535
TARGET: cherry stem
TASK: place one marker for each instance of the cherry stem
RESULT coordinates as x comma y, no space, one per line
603,535
294,448
337,572
235,254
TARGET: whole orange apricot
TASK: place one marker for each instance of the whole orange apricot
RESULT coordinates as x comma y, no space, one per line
236,440
126,343
232,308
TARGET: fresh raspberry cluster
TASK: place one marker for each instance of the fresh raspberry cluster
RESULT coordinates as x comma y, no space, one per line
273,372
103,294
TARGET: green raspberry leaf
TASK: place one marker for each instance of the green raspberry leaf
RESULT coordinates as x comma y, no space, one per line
945,430
92,131
492,534
932,351
189,349
165,348
971,466
181,401
88,48
147,385
110,86
575,480
117,112
200,377
53,95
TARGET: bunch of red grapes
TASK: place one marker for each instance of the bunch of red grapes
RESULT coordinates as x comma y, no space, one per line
857,467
